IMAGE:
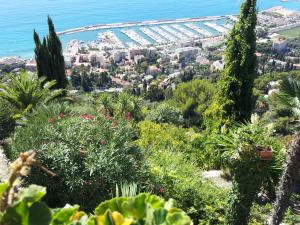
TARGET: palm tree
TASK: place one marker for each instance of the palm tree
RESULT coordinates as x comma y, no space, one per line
124,103
288,97
25,91
136,104
107,103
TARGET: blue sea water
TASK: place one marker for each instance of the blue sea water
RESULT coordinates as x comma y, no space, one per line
18,18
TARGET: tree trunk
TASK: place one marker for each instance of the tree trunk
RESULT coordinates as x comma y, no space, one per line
287,182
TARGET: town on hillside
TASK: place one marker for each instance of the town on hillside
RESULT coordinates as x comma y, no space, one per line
180,49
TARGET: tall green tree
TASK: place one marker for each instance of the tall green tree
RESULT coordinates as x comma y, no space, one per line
49,57
234,100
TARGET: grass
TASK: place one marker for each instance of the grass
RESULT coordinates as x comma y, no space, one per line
291,33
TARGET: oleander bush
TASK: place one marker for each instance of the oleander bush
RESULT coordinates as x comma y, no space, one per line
89,154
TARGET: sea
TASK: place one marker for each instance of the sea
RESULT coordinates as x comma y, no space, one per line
18,18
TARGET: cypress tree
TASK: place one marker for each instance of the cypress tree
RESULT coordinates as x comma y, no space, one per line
49,57
234,100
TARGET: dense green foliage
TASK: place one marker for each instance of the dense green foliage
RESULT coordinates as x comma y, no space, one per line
234,99
89,153
175,171
49,57
165,113
7,123
193,98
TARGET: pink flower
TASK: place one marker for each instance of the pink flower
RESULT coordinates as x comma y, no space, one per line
51,120
129,116
61,115
88,117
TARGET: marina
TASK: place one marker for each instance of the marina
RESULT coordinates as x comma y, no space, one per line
110,40
185,31
203,32
158,39
136,37
143,23
158,33
216,27
164,34
176,34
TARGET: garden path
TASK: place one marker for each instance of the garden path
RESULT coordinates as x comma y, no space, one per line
4,168
216,177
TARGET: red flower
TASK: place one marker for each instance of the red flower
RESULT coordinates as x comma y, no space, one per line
51,120
88,117
61,115
129,116
162,190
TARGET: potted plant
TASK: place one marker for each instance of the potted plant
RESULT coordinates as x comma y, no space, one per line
265,153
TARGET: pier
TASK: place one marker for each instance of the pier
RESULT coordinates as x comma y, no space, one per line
110,40
136,37
132,45
185,31
216,27
164,34
233,18
175,33
228,26
203,32
158,39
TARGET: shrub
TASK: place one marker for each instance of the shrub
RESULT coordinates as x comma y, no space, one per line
160,137
26,207
7,124
174,176
193,98
164,113
89,153
174,171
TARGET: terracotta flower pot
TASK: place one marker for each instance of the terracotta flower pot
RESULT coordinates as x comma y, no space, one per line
265,153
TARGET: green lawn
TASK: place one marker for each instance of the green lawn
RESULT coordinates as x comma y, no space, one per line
292,33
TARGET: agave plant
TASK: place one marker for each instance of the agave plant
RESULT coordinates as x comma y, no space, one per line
26,91
289,98
240,154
